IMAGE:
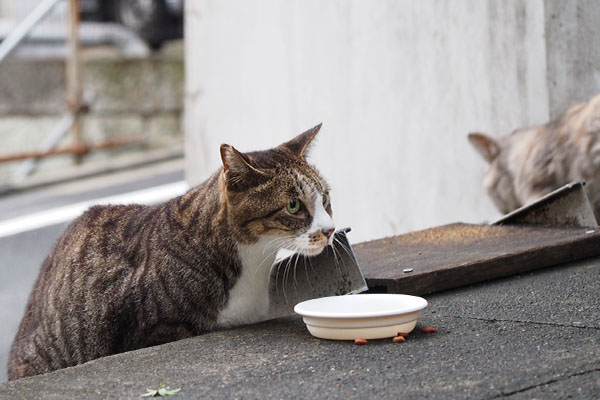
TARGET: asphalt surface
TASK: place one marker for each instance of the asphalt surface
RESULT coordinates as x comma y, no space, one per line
529,336
21,255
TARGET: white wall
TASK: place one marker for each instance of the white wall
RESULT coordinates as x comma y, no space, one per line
573,54
397,84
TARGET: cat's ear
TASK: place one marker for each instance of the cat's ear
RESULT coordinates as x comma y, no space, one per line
238,169
300,143
485,145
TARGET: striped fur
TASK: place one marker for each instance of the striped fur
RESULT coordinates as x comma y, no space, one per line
531,162
123,277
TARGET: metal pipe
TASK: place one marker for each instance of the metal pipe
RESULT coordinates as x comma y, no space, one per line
73,74
49,142
73,149
24,28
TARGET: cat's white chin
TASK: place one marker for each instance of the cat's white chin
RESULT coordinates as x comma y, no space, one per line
312,251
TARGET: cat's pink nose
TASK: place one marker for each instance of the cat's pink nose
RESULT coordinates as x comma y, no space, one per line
328,232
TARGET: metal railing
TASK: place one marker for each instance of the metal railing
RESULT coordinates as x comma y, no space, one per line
22,30
74,93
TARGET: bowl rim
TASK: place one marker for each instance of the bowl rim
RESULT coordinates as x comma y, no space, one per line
417,303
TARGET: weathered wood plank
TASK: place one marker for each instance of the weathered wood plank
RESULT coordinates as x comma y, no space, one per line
454,255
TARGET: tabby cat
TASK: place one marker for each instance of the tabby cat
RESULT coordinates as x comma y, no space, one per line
123,277
531,162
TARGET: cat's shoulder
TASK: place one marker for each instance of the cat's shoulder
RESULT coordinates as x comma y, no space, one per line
102,213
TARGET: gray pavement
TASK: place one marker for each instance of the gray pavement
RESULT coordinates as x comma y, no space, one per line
47,197
535,335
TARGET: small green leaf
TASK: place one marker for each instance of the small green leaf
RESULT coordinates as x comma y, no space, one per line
168,392
150,393
162,391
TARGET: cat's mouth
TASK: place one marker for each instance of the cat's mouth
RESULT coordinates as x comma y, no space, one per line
316,247
313,250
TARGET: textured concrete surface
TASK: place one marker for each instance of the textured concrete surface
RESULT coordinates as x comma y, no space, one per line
530,336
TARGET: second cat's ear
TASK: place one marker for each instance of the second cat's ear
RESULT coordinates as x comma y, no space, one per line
300,143
238,168
485,145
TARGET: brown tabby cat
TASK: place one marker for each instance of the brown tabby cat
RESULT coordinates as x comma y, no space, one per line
124,277
531,162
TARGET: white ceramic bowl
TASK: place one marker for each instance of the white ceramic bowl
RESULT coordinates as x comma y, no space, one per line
365,316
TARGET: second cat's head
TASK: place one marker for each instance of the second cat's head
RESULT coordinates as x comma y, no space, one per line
498,180
276,195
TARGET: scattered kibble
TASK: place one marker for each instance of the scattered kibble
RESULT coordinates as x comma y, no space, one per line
360,342
399,339
428,329
404,334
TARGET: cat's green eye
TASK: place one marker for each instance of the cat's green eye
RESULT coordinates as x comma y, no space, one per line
293,206
325,198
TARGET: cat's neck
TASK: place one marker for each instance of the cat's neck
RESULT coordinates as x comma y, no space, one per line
201,213
249,298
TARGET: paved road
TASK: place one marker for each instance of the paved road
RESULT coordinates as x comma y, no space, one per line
21,254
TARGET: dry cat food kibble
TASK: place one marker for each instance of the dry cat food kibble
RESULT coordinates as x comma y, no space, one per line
428,329
405,334
360,341
399,339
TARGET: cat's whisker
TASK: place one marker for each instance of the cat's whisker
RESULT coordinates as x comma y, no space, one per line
279,242
346,249
294,267
338,255
274,246
306,272
295,277
277,278
285,276
311,266
292,246
343,246
293,260
263,262
279,265
271,249
336,258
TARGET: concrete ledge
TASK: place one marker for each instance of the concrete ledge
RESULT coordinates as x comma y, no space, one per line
531,335
111,85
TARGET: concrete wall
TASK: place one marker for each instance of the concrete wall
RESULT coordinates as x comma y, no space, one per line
397,84
572,40
141,97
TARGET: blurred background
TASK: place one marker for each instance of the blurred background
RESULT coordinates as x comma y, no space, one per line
397,84
128,85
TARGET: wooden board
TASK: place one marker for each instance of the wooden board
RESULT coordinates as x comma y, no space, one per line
454,255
